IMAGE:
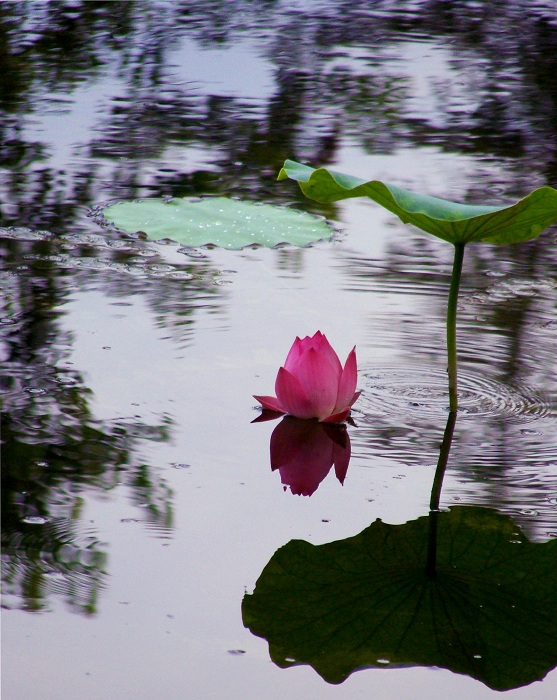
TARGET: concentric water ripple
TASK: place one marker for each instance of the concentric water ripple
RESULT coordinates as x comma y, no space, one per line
503,455
424,391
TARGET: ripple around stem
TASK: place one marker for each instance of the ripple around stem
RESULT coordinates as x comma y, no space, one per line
423,391
505,449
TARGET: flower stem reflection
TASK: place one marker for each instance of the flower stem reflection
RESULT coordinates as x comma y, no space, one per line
436,494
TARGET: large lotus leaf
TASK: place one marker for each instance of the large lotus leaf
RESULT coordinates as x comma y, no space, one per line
490,612
228,223
453,222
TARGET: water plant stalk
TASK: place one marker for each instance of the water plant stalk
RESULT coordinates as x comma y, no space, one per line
435,497
452,360
453,222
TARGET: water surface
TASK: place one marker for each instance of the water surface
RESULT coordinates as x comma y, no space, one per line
139,504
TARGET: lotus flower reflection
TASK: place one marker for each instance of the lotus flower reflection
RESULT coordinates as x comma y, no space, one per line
313,384
304,452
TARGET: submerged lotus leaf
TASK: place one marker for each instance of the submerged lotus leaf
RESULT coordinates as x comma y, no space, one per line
221,221
453,222
367,601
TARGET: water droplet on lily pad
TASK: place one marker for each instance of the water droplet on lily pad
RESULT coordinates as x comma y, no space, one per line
35,520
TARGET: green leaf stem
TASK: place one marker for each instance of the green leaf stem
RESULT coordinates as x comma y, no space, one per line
458,224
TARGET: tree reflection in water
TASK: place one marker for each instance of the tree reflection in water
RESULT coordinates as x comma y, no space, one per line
54,451
340,62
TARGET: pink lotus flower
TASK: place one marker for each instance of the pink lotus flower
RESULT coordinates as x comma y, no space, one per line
313,383
304,453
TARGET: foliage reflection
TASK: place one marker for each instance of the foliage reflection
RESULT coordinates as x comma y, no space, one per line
55,453
462,589
341,62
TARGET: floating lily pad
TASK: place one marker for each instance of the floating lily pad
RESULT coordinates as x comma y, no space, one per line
224,222
451,221
367,601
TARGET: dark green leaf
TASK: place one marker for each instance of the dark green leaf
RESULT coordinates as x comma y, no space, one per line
490,612
453,222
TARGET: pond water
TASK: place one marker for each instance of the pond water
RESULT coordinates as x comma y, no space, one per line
139,504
